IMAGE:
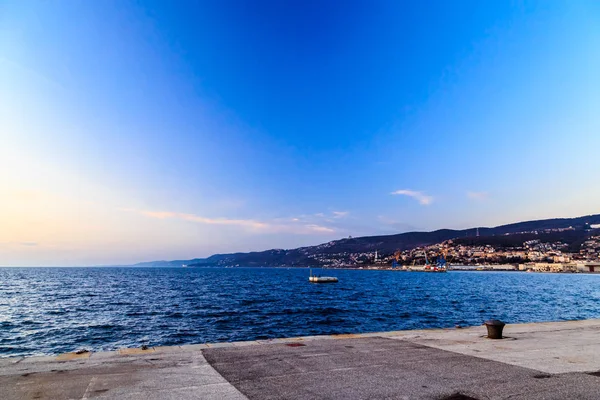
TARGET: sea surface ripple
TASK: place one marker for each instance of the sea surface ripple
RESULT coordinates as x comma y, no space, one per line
56,310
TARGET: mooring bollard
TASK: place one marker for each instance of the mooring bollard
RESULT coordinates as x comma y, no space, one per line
494,328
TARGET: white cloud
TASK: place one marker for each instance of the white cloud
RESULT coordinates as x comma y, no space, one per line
340,214
478,196
318,228
157,214
421,197
273,226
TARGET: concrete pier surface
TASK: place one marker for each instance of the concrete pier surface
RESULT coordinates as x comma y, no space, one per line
556,360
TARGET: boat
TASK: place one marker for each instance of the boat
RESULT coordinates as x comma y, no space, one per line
321,279
433,268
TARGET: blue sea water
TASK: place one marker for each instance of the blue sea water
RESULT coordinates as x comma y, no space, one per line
55,310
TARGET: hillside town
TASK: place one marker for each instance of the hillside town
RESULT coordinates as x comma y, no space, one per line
532,255
506,252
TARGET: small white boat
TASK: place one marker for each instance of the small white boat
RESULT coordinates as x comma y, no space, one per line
321,279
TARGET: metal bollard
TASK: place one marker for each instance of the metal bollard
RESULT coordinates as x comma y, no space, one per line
494,328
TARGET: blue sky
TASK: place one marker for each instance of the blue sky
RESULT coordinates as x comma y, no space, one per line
134,131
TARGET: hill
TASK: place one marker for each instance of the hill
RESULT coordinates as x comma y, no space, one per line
349,250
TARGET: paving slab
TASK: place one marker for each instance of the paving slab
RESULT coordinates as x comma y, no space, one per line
553,347
384,368
10,361
73,356
157,375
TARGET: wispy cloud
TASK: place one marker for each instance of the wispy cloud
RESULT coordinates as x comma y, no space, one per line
156,214
29,244
421,197
478,196
293,225
319,228
340,214
249,223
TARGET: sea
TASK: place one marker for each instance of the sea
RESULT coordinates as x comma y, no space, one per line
45,311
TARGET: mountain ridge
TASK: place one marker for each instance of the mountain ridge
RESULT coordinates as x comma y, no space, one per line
316,256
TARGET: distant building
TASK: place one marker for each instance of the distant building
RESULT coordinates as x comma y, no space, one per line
593,267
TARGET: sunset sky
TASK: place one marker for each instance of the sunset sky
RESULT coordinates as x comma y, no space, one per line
138,131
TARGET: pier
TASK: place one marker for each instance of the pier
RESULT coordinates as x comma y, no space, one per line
554,360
